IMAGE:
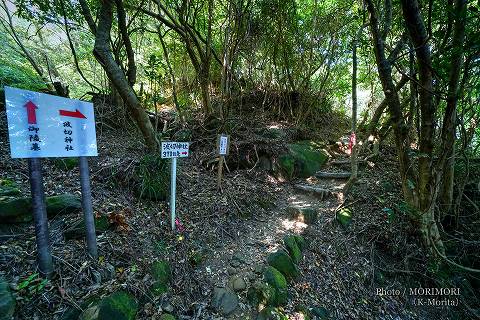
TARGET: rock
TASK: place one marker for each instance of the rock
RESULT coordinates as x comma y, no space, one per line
292,247
276,279
344,216
224,301
281,261
320,313
15,210
305,215
167,316
302,160
77,230
119,306
7,301
231,270
63,204
237,283
260,293
8,188
270,313
160,272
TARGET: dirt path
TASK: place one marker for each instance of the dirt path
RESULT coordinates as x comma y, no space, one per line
243,252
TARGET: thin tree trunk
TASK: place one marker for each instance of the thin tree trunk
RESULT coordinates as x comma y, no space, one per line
448,130
103,53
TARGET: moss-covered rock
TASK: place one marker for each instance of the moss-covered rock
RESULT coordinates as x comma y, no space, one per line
303,159
344,216
161,273
292,247
118,306
286,166
8,188
260,293
301,243
281,261
277,281
19,209
15,210
78,230
271,313
63,204
7,302
305,215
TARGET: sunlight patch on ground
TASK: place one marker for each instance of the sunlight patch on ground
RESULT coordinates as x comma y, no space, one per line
294,200
293,225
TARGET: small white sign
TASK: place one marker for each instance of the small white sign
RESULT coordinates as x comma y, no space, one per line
172,149
223,145
41,125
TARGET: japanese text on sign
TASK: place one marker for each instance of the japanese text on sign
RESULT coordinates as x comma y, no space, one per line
223,145
42,125
174,149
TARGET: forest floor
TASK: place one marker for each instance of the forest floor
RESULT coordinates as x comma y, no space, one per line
227,234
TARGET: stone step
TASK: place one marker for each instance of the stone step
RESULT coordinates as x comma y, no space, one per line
318,191
333,175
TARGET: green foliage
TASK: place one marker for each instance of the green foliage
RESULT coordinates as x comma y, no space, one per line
31,285
344,216
160,272
15,70
153,175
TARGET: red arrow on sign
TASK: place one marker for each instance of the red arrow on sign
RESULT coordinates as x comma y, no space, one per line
31,114
73,114
184,152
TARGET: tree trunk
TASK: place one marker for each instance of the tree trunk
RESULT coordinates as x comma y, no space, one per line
103,53
393,102
448,130
427,189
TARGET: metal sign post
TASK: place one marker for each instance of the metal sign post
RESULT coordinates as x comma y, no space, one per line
41,126
87,208
45,263
173,191
174,150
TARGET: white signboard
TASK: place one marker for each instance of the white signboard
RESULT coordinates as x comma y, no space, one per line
223,145
172,149
41,125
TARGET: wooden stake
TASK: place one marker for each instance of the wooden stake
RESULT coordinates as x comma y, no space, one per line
220,172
